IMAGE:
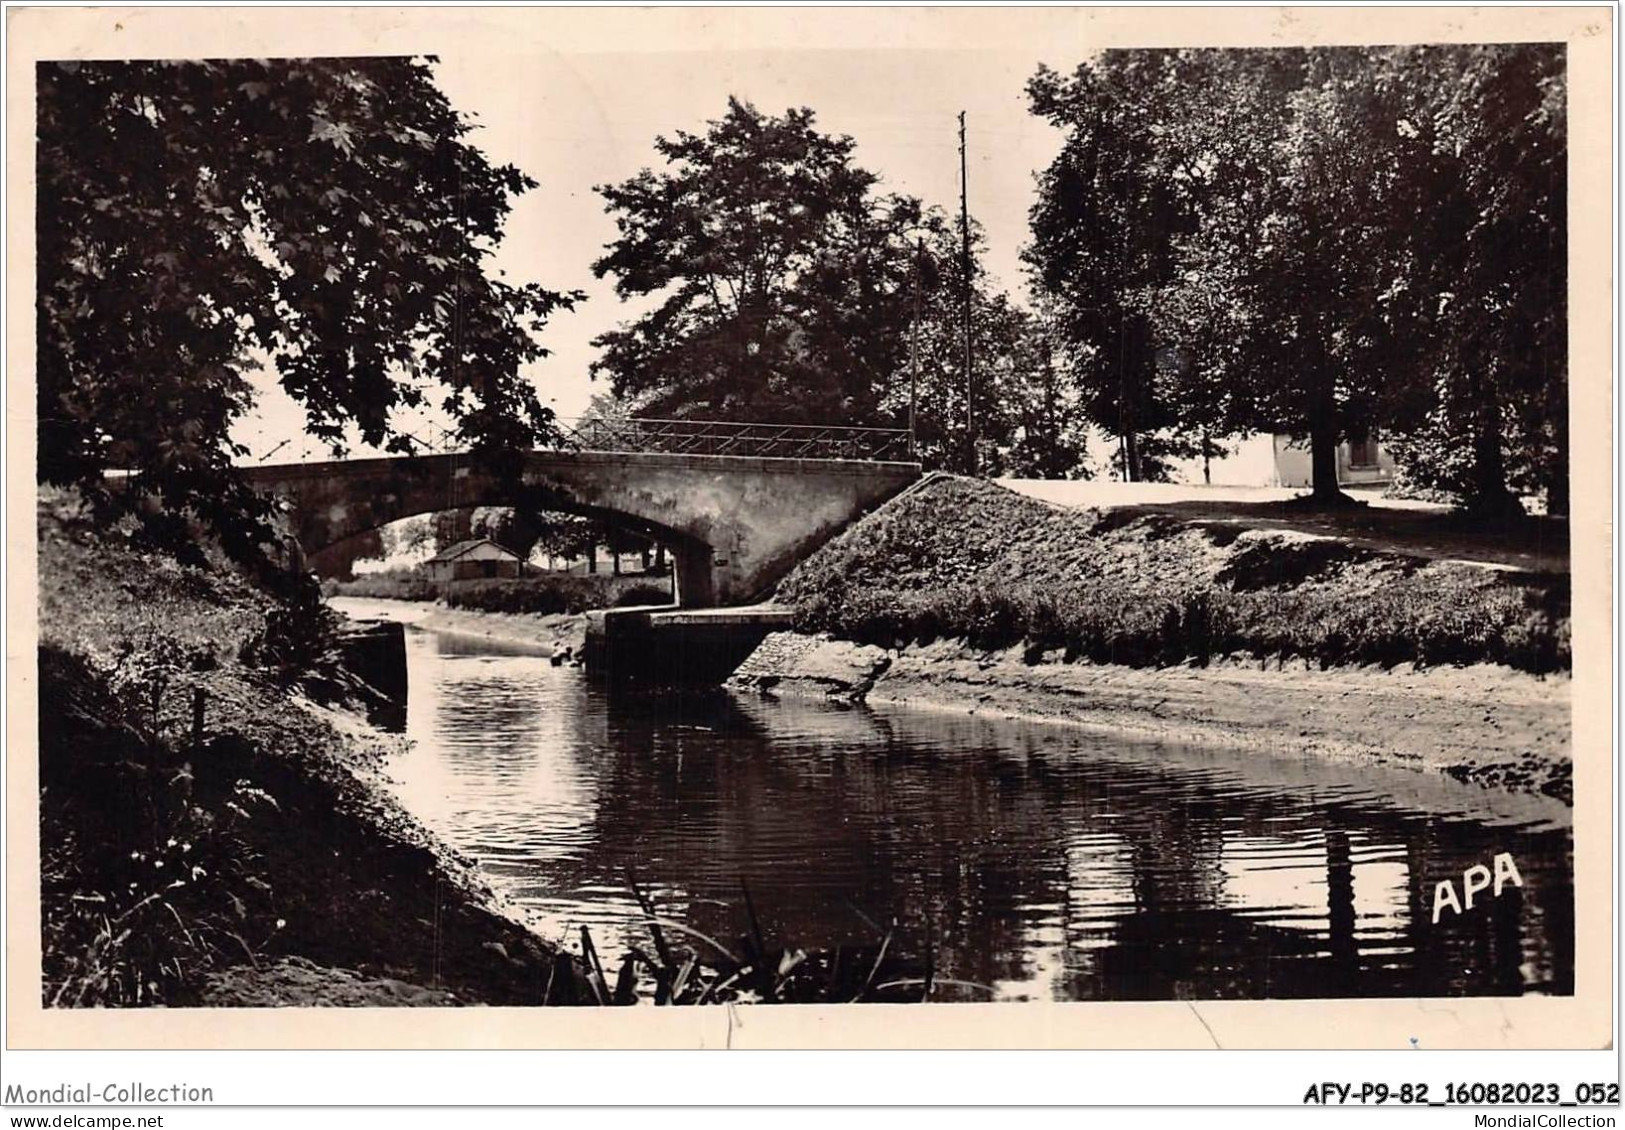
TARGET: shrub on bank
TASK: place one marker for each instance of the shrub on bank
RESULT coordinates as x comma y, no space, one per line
147,877
969,560
147,806
559,594
542,593
390,584
553,594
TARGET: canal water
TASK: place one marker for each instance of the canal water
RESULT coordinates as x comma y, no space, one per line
1039,861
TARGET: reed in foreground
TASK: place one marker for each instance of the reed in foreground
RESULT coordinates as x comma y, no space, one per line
682,966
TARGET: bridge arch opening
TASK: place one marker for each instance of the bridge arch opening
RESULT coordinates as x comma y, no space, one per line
337,557
569,564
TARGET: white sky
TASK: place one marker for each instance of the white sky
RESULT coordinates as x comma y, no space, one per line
573,120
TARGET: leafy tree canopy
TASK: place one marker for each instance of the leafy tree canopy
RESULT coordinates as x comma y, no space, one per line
1317,241
785,287
780,274
327,217
1482,287
1108,210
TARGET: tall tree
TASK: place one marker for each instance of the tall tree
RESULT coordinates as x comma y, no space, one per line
1108,209
781,274
326,217
569,536
1293,236
451,527
415,535
1293,286
1483,284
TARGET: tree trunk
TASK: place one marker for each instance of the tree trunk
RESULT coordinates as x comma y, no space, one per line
1323,447
1557,489
1557,475
1323,464
615,561
1132,471
1487,491
592,558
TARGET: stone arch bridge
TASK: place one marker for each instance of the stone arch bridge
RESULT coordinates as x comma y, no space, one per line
736,509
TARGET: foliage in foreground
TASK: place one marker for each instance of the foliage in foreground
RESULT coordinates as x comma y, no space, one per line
148,805
195,819
968,560
198,219
147,879
685,967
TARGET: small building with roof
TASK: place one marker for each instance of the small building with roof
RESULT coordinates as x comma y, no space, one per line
474,559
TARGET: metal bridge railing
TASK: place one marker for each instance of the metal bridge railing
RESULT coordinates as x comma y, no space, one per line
723,437
671,437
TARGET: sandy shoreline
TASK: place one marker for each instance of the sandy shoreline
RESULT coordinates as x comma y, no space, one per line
551,633
1485,726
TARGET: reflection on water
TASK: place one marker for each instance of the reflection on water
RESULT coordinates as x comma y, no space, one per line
1043,862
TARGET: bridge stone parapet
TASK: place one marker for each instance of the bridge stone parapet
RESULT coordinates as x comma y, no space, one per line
734,524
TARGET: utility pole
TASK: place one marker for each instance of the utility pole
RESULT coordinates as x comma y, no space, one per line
914,354
965,266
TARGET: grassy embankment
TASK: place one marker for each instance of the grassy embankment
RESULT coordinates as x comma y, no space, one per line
961,559
1169,626
212,836
209,835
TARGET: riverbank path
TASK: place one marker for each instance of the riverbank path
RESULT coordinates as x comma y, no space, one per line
1537,544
